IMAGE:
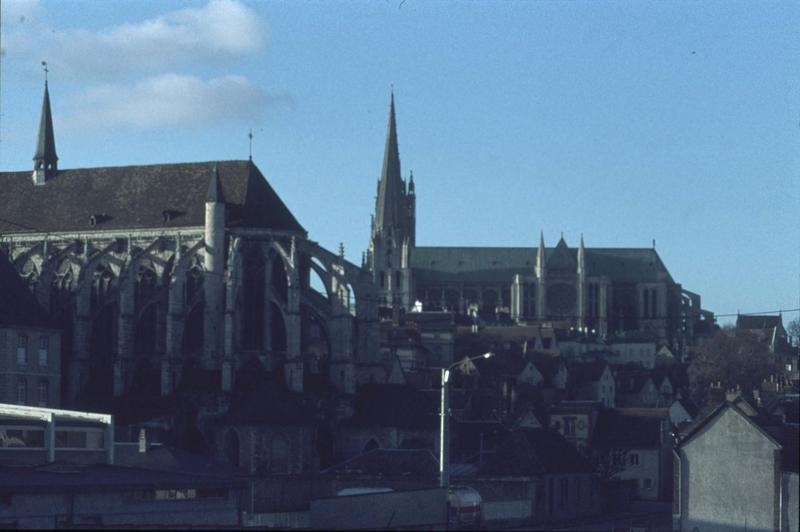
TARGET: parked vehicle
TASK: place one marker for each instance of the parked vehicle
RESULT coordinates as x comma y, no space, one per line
464,506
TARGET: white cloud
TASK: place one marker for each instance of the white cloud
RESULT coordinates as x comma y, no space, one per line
217,32
169,100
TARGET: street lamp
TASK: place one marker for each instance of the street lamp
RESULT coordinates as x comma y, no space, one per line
444,427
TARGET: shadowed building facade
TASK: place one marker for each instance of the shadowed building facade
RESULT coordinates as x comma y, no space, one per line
161,271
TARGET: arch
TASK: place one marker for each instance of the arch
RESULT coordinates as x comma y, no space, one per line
352,302
277,327
146,284
319,279
30,274
62,285
103,282
279,278
193,284
231,448
279,455
371,445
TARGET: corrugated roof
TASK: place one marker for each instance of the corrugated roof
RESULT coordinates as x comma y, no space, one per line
73,477
139,197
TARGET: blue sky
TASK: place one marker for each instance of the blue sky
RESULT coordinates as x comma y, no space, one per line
624,121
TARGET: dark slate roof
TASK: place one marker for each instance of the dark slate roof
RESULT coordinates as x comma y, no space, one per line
168,458
394,405
548,365
530,452
582,373
18,306
413,463
500,264
617,430
632,381
139,197
59,477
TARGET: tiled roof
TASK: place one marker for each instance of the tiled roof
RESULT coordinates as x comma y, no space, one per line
139,197
168,458
18,306
501,263
583,373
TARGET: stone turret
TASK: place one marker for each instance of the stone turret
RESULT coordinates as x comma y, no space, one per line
214,265
541,277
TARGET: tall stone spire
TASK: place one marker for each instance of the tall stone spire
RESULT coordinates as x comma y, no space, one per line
45,161
389,208
540,258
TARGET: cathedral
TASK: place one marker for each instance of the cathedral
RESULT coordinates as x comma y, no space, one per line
165,275
607,291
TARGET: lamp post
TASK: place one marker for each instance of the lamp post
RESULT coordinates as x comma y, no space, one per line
444,426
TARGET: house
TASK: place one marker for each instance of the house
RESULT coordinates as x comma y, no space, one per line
576,421
637,443
30,345
767,328
592,381
635,388
637,349
60,469
666,357
553,369
389,417
536,476
436,334
734,470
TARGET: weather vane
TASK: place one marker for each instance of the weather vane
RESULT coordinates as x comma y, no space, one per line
44,65
250,136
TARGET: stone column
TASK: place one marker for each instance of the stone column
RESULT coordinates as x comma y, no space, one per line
293,366
126,327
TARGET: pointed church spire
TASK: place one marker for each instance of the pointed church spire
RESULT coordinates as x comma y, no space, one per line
411,183
45,160
214,194
540,256
390,203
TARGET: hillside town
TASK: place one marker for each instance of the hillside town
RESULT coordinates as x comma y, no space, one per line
177,352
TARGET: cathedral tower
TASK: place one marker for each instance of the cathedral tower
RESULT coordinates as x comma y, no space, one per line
393,226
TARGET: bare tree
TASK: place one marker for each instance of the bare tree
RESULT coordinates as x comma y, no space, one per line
740,360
